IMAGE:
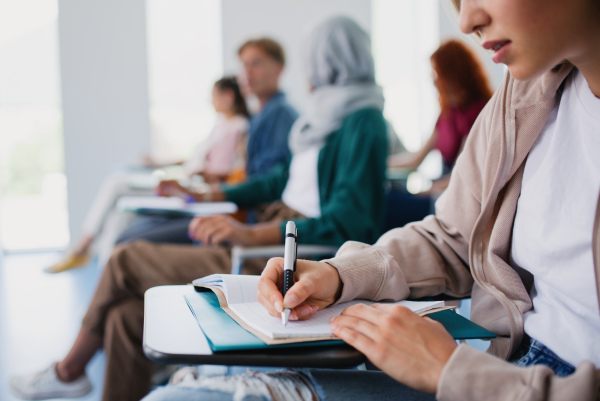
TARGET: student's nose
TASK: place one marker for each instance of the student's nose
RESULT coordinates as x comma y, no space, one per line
472,18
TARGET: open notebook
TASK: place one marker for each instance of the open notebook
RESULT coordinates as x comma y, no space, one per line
237,297
173,205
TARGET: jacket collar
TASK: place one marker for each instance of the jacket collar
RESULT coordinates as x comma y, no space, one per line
542,89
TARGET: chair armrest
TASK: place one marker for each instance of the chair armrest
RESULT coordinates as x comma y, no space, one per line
240,253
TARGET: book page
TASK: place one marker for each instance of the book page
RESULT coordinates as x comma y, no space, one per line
256,316
237,288
240,292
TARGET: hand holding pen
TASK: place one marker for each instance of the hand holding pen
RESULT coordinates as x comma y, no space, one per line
317,285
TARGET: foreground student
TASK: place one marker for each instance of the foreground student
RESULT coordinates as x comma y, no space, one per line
518,229
333,188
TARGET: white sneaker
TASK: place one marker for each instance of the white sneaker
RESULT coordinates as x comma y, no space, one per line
46,384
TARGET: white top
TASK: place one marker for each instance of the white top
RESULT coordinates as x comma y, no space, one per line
217,154
552,234
301,192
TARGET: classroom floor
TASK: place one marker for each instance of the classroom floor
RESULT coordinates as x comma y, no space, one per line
40,315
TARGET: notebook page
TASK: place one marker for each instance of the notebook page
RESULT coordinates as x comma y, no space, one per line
240,289
256,316
237,288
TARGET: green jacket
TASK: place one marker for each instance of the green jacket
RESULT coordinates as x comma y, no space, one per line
351,172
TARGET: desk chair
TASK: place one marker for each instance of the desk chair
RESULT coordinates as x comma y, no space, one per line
241,253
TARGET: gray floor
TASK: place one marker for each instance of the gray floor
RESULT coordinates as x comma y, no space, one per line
40,315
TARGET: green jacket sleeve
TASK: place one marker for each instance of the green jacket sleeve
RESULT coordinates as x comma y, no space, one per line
351,176
266,188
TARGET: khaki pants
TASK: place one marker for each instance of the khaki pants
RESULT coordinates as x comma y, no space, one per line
116,312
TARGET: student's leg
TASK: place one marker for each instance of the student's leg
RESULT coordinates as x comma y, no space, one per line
113,186
116,310
128,370
330,385
343,385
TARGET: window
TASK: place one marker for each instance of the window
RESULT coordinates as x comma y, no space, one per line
33,206
404,35
184,61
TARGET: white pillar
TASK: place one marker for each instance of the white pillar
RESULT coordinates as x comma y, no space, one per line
104,93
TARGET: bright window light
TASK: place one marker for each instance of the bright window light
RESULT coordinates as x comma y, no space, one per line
33,206
184,61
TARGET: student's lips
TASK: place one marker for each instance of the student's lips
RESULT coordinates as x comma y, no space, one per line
499,47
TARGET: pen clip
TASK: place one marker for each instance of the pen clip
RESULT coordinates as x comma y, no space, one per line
296,250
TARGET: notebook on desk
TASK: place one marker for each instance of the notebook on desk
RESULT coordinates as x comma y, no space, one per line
173,206
229,315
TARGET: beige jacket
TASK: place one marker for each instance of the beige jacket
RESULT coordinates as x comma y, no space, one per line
465,248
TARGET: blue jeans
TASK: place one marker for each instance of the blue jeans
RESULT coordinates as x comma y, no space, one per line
342,385
538,354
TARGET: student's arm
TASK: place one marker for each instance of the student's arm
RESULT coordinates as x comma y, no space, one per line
266,188
413,160
475,375
219,229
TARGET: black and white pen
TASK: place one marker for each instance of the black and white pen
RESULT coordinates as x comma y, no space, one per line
289,263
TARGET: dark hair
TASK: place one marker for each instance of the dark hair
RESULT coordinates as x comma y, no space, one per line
461,74
271,47
239,103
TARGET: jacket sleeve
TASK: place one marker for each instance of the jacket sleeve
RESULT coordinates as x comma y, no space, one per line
354,208
428,257
475,375
264,189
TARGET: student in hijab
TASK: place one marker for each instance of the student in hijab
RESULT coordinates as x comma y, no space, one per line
332,189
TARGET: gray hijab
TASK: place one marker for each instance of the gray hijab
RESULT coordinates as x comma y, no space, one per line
341,71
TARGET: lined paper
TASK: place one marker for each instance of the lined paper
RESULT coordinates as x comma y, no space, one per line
241,292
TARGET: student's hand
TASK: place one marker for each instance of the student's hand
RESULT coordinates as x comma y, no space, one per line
171,188
219,229
317,285
410,348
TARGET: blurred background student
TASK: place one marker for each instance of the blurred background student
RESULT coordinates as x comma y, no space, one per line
463,90
216,159
336,173
221,157
263,62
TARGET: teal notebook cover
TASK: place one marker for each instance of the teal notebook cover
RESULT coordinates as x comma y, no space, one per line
224,334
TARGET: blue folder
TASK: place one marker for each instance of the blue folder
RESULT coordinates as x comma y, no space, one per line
225,334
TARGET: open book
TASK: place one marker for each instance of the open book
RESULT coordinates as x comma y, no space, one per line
173,205
237,297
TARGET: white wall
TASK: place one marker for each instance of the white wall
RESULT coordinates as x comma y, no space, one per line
104,93
285,21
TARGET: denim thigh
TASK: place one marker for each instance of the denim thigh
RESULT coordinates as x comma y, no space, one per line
539,354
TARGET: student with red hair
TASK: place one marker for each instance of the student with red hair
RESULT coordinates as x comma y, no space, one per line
463,88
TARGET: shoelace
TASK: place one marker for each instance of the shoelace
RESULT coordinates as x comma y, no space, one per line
45,376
